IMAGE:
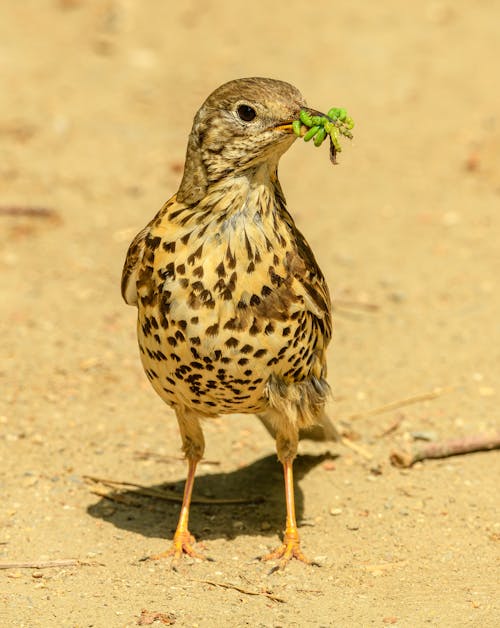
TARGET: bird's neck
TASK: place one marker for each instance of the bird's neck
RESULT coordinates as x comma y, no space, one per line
238,218
255,190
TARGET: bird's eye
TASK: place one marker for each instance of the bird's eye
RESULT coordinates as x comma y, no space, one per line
246,113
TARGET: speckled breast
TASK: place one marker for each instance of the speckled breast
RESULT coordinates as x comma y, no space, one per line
218,316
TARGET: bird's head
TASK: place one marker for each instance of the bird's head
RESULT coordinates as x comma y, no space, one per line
242,124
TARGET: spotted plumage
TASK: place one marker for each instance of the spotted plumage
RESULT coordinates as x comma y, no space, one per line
233,310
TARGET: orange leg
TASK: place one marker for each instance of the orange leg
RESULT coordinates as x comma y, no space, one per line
291,541
183,539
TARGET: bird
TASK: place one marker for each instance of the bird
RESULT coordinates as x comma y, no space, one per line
234,313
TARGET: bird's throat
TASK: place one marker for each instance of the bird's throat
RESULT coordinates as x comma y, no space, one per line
252,196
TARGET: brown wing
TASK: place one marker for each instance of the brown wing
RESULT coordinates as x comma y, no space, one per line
135,254
131,266
306,387
304,267
309,280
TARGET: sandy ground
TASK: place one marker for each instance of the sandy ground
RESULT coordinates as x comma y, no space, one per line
96,102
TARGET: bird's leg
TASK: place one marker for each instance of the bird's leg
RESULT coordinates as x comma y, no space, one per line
290,547
193,446
183,539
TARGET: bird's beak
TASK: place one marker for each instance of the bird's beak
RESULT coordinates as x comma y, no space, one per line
286,127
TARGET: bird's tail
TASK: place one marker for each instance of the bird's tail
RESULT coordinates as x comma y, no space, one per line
323,430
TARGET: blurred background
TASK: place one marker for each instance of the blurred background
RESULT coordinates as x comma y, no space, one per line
97,99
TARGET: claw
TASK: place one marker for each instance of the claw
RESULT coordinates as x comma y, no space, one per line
290,548
182,544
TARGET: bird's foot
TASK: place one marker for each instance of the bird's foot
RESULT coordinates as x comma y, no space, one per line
182,544
289,549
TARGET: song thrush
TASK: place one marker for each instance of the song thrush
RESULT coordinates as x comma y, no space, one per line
234,313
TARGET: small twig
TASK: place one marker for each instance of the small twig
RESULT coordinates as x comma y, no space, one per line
118,485
118,498
151,455
169,495
394,405
124,500
362,451
444,449
69,562
392,427
29,212
227,585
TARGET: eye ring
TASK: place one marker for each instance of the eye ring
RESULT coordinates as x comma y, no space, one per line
246,112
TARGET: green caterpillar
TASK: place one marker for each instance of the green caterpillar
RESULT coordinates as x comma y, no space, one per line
335,123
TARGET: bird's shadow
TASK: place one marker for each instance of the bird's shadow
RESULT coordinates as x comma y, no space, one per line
262,481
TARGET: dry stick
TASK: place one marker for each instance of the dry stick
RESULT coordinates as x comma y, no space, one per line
227,585
123,500
151,455
362,451
392,427
118,498
169,495
444,449
69,562
394,405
